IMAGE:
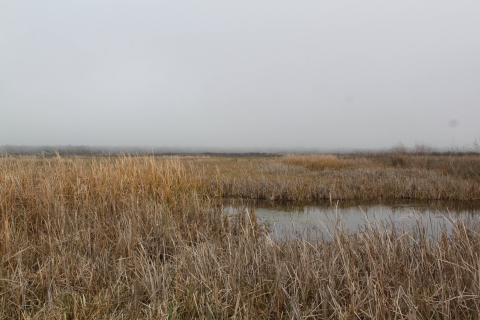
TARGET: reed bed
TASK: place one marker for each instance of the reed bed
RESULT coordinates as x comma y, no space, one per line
318,161
295,178
146,238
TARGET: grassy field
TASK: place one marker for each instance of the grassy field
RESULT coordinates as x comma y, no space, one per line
143,237
308,178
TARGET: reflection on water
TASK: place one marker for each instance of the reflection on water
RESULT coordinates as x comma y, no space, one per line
286,220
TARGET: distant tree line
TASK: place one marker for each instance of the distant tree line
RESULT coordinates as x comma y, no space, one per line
49,151
418,149
81,150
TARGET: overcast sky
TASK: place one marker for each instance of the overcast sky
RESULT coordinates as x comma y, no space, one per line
240,74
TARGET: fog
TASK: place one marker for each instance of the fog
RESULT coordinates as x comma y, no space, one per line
245,74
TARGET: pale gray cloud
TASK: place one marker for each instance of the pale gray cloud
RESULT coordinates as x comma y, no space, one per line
246,74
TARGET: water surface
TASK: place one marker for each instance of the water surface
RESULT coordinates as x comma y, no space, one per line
323,219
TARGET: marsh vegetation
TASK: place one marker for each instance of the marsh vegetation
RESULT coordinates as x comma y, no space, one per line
146,237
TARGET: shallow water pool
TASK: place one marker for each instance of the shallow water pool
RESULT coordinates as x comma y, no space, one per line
323,219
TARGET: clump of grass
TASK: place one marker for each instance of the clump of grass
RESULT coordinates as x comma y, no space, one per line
317,161
142,237
398,161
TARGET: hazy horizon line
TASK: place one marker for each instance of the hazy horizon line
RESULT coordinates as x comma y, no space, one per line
109,149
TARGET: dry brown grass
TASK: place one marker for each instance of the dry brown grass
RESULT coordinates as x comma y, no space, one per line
295,178
318,161
142,237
